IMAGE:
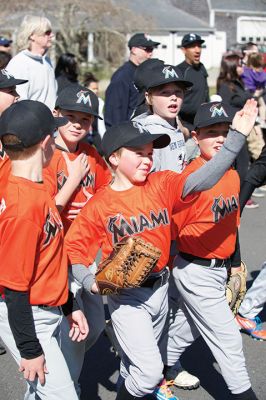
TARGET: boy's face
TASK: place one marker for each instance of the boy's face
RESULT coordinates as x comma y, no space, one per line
78,126
211,138
134,164
8,96
166,100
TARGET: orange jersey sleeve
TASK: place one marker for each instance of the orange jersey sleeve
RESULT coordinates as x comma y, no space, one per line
143,210
31,243
208,227
56,174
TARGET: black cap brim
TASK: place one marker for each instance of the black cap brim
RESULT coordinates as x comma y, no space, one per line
12,82
159,140
73,107
186,84
201,41
211,121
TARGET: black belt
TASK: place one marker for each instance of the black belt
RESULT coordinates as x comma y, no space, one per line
206,262
161,277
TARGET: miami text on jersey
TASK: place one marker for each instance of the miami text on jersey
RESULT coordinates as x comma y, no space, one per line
119,227
222,207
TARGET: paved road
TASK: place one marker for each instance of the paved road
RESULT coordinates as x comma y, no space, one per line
101,367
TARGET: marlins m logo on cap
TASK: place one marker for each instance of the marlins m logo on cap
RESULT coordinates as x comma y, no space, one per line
217,110
169,72
84,97
5,73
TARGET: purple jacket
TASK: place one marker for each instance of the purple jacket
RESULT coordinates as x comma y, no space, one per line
253,79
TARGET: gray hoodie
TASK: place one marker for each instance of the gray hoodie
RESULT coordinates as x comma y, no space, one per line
172,157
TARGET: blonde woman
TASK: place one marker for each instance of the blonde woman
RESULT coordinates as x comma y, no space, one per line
34,38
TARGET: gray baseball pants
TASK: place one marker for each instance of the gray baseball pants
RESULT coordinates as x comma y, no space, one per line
138,316
204,307
255,297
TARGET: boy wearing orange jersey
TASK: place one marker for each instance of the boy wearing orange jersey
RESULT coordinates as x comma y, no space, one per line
75,173
33,276
206,237
139,203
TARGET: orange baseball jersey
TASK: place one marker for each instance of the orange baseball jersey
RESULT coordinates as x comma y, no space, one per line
55,176
143,210
208,228
31,243
5,165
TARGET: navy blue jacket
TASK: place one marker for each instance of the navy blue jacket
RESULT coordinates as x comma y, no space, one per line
121,95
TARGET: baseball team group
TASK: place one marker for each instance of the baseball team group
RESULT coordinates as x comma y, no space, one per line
161,161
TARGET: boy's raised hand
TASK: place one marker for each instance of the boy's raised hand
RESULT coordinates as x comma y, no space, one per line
77,168
244,119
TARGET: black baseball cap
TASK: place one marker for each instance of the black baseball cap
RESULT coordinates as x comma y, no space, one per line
78,98
7,80
142,72
213,113
160,74
191,38
130,134
141,40
30,121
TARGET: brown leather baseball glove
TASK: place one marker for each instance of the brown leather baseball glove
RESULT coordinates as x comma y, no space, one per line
129,264
236,288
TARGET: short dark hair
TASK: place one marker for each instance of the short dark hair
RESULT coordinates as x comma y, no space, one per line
88,78
67,65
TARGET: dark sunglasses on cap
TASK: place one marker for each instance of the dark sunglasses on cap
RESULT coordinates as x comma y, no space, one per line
147,49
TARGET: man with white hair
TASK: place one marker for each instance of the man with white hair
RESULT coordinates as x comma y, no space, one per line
32,62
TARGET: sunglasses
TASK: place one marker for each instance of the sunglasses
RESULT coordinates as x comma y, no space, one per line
147,49
48,32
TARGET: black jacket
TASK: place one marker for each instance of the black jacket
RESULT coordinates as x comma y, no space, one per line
121,95
198,94
236,97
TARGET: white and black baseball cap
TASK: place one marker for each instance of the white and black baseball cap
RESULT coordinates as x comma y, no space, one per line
191,38
141,40
130,134
213,113
7,80
30,121
160,74
78,98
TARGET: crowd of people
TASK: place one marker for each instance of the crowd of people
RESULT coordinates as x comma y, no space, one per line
158,158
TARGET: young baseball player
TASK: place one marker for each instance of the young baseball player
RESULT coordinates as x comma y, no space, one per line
33,277
140,203
75,173
206,239
165,88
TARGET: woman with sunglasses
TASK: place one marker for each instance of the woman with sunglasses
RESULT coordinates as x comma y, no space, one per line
34,39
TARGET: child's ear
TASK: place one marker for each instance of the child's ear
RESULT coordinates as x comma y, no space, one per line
114,159
194,135
148,98
55,112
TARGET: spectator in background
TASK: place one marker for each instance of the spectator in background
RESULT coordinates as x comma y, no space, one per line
4,59
246,49
5,44
231,88
121,95
66,71
32,63
92,83
194,71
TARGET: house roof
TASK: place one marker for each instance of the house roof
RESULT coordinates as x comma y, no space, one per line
239,6
165,15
